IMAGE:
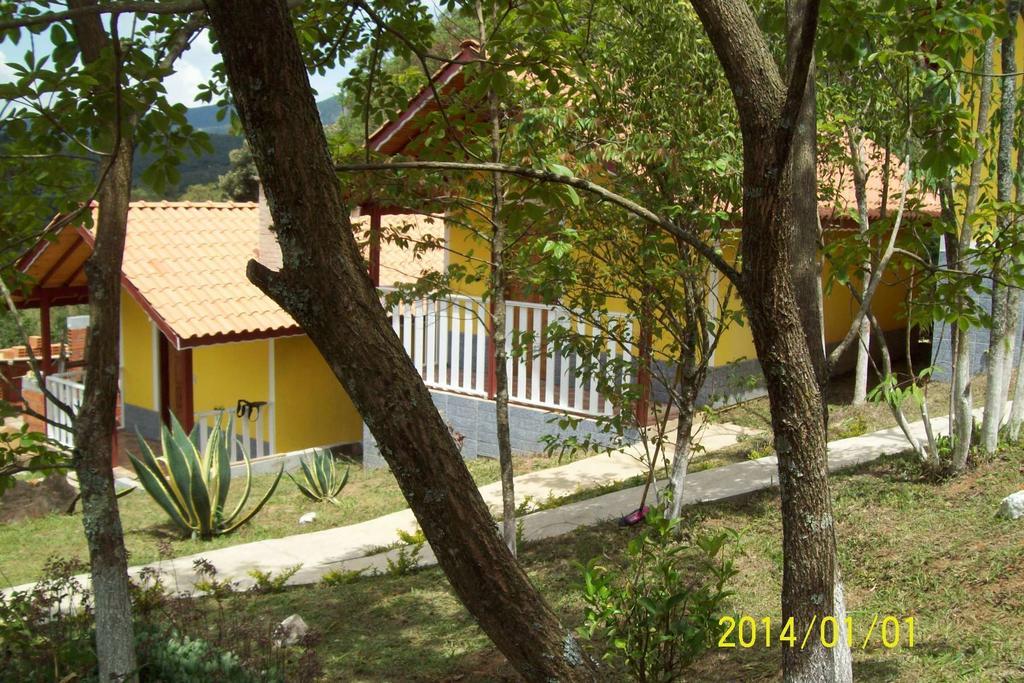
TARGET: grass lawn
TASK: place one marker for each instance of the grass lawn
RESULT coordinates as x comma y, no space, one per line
25,546
908,548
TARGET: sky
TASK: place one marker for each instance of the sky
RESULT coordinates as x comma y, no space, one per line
193,68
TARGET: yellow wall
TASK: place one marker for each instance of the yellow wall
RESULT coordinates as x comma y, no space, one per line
224,373
312,408
137,340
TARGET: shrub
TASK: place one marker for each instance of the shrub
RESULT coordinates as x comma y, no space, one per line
660,613
322,479
341,577
267,583
192,487
408,560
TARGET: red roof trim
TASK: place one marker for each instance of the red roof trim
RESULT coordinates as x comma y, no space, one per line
470,52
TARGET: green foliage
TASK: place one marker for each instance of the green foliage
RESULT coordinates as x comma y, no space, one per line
408,560
341,577
192,487
266,582
322,479
241,183
656,616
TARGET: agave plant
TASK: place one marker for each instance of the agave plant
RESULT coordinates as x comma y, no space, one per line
323,481
192,487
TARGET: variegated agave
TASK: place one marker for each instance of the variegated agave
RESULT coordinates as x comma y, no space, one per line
192,487
323,481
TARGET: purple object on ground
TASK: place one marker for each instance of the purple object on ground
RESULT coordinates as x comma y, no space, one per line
634,517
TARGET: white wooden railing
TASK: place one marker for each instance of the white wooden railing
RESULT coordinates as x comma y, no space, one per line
247,431
447,341
60,426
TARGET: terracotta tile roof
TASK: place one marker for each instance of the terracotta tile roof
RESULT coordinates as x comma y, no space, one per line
187,262
841,198
184,262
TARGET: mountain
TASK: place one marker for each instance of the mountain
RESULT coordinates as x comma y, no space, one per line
205,118
208,167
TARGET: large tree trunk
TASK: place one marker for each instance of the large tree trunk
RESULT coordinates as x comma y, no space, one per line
1003,319
96,421
324,285
765,104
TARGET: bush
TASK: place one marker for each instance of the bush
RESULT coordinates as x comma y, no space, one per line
46,634
656,616
322,480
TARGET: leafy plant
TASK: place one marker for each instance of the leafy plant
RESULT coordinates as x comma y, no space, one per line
408,560
192,487
267,583
323,481
660,613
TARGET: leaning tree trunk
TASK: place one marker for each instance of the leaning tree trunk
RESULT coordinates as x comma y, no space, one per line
324,285
1001,341
766,107
97,420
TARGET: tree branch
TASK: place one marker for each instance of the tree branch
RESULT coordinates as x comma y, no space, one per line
601,192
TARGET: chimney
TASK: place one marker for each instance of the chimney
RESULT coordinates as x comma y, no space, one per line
268,251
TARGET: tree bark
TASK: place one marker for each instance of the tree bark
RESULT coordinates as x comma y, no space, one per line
96,420
1001,339
324,285
767,108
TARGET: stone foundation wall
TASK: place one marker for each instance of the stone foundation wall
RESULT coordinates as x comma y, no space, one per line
474,418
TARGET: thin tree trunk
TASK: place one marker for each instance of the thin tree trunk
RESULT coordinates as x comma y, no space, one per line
1001,340
961,397
323,284
96,420
1017,412
498,318
687,402
860,378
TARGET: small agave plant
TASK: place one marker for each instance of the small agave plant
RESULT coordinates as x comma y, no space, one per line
323,480
192,487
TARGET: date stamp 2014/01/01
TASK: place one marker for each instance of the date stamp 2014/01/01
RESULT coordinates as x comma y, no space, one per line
886,630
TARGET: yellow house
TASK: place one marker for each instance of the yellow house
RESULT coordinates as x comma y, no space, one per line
199,340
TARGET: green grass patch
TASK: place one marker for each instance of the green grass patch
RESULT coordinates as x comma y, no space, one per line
25,546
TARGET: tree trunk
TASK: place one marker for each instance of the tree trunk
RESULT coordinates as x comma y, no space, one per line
686,405
806,238
498,317
765,104
961,396
860,377
1001,340
324,285
96,420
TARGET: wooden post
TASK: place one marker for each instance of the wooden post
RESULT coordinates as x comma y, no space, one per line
185,388
375,245
643,405
44,329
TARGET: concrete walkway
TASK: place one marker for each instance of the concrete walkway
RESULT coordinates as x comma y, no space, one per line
353,547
